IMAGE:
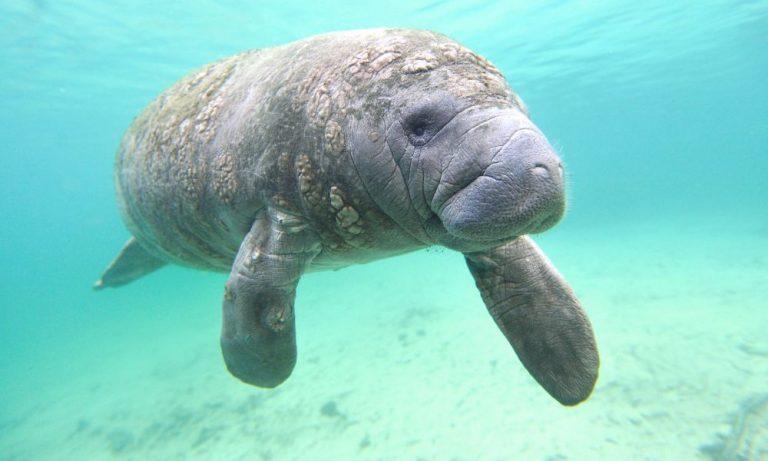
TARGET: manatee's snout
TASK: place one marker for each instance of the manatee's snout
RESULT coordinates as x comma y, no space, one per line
510,180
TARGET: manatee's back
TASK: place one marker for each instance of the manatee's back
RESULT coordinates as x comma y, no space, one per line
198,163
176,185
201,160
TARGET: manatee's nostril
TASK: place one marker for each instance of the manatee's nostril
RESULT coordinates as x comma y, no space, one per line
541,170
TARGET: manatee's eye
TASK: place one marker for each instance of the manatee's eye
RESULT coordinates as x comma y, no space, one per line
418,130
422,121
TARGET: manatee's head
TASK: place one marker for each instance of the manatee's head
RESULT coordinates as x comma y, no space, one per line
482,167
458,147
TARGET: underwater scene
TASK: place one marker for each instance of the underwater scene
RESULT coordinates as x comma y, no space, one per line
656,122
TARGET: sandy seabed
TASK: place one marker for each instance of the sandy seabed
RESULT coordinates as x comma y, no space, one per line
398,360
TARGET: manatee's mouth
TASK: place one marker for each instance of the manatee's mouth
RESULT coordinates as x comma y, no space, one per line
465,217
544,223
539,218
450,237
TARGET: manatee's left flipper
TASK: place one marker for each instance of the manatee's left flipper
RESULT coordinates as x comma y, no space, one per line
131,263
258,337
540,316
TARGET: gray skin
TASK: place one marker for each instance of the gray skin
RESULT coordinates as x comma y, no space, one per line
341,149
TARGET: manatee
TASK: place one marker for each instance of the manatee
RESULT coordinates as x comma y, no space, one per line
341,149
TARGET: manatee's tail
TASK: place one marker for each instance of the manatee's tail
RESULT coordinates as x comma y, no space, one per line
131,263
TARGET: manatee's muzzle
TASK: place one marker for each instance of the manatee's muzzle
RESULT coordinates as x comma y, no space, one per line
521,191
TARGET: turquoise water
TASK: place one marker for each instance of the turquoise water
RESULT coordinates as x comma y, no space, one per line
660,111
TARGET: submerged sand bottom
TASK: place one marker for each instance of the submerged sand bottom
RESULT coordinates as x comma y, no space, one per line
398,360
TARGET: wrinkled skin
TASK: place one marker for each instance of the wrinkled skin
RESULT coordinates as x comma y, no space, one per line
346,148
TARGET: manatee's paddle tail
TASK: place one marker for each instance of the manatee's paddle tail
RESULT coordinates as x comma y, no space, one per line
540,316
131,263
258,336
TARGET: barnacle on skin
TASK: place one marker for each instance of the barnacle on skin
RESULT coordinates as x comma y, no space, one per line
449,51
223,176
335,198
347,216
382,60
334,138
420,62
354,229
308,186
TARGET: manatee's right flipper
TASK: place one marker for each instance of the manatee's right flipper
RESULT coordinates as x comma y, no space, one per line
258,335
540,316
131,263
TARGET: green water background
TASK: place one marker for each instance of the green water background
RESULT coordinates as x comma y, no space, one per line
658,108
